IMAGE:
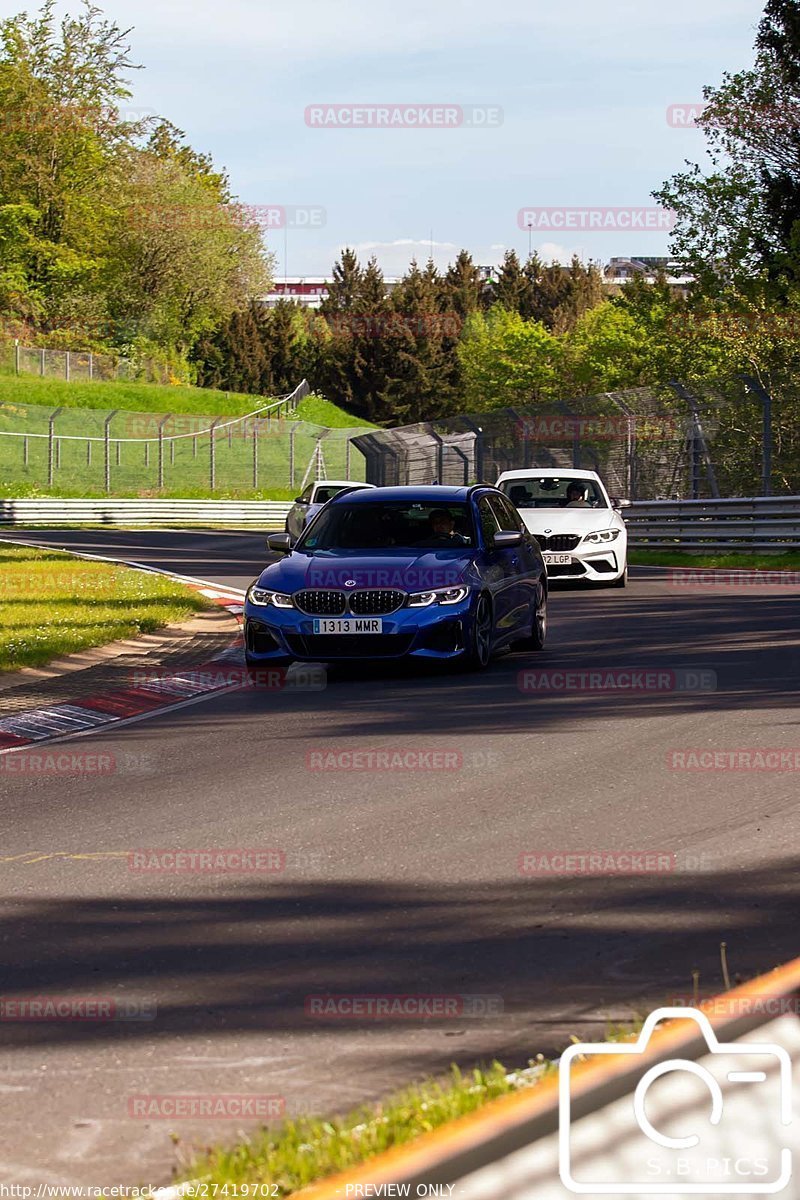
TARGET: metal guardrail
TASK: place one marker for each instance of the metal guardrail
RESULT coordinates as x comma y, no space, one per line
262,514
751,523
762,523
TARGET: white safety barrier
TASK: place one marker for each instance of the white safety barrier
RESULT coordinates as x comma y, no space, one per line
261,514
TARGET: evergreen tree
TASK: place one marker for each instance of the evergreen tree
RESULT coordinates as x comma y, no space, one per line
421,389
464,285
512,289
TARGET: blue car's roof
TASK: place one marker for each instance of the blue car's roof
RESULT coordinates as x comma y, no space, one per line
370,495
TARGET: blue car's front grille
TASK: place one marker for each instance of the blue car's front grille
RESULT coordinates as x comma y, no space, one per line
318,602
376,602
364,602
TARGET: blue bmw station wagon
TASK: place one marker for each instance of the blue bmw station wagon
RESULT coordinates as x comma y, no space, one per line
386,573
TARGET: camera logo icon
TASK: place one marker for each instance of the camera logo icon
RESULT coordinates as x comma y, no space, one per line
713,1127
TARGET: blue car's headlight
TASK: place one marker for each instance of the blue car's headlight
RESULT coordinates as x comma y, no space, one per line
451,595
262,597
602,535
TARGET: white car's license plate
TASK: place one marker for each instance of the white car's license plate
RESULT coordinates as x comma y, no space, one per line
348,625
557,560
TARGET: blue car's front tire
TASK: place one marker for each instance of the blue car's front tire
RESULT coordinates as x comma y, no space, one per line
538,634
479,648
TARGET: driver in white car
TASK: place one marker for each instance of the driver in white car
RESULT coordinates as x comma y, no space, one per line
576,496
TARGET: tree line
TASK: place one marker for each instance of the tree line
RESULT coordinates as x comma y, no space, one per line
114,233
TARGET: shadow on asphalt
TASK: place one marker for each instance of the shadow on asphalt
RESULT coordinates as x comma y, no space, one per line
248,961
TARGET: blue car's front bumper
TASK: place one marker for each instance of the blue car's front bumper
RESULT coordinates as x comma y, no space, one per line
440,631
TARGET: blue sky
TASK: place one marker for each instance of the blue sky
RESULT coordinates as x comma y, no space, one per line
583,85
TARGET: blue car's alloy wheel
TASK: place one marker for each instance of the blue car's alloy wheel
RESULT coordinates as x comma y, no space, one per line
480,650
538,632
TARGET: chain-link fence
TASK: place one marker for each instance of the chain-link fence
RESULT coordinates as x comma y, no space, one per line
665,442
71,365
94,451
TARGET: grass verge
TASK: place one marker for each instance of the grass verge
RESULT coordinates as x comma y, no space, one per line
134,397
755,562
159,398
53,604
307,1149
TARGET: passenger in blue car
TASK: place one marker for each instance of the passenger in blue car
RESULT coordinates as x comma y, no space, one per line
443,530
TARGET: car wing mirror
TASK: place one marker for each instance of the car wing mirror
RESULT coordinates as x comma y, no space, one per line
504,539
279,543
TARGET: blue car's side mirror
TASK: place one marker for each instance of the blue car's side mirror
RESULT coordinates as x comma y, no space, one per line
504,539
279,543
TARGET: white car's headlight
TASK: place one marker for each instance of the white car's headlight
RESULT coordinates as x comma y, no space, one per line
602,535
262,597
451,595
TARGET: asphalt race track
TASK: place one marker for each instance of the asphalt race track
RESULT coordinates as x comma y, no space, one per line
397,881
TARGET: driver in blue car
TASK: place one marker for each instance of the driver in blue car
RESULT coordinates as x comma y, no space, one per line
443,530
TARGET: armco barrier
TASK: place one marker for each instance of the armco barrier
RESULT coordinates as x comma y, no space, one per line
509,1150
760,523
763,523
261,514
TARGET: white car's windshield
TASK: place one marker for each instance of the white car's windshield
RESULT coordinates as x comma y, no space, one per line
547,491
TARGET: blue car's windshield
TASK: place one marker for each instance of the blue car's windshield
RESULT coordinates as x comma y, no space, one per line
380,526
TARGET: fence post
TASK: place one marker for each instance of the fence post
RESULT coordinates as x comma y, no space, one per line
292,433
255,452
66,365
347,458
766,432
161,425
212,462
88,452
50,444
697,441
107,441
25,452
16,356
91,365
41,362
